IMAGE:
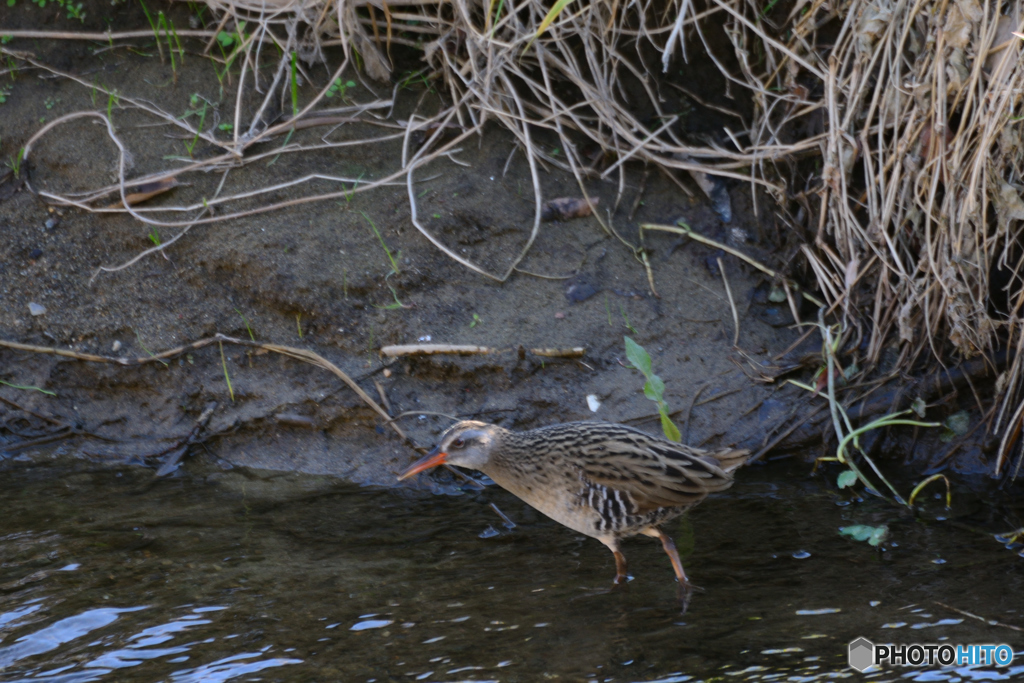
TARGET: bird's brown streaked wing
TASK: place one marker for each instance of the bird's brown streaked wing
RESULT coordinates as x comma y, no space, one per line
729,459
653,482
654,472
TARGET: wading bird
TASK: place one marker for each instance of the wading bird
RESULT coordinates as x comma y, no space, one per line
604,480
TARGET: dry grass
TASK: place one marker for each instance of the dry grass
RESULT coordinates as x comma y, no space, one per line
912,226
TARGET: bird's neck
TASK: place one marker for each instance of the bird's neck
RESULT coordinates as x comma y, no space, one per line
513,458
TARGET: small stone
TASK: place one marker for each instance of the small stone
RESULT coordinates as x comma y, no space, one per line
387,372
35,253
116,346
36,309
51,223
559,316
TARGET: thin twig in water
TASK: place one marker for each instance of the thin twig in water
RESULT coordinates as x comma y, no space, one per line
990,622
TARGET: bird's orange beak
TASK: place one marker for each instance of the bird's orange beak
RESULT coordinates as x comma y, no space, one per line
431,459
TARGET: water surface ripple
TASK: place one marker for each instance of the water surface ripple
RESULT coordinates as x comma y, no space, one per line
253,576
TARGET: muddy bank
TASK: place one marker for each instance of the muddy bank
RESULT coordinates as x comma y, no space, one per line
347,276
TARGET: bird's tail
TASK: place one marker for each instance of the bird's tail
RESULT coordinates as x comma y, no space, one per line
729,459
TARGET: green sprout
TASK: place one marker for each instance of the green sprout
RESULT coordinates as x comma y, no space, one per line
654,387
625,320
112,101
225,39
496,15
395,306
338,88
246,321
227,377
14,163
197,108
28,387
392,256
74,11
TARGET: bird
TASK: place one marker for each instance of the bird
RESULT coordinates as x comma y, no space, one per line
604,480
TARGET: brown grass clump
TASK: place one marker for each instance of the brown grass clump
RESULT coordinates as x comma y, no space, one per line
913,224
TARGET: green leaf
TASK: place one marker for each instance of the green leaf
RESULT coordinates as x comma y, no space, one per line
847,479
850,371
858,532
874,535
777,295
879,536
654,388
918,406
668,426
958,423
225,39
549,19
638,356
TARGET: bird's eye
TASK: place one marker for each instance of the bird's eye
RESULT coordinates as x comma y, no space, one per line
458,443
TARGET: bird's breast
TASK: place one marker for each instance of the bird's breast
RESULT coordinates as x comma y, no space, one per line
557,498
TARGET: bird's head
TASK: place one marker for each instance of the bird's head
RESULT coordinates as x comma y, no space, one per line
464,444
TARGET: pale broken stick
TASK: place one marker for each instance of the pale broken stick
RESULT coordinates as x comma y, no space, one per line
395,351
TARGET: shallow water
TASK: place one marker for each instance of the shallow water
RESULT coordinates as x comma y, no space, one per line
251,576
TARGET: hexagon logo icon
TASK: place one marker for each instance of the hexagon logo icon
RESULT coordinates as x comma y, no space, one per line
862,654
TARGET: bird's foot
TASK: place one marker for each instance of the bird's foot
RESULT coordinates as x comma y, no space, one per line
685,592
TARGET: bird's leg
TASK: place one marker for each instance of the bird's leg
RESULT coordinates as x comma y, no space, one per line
620,567
612,543
685,588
